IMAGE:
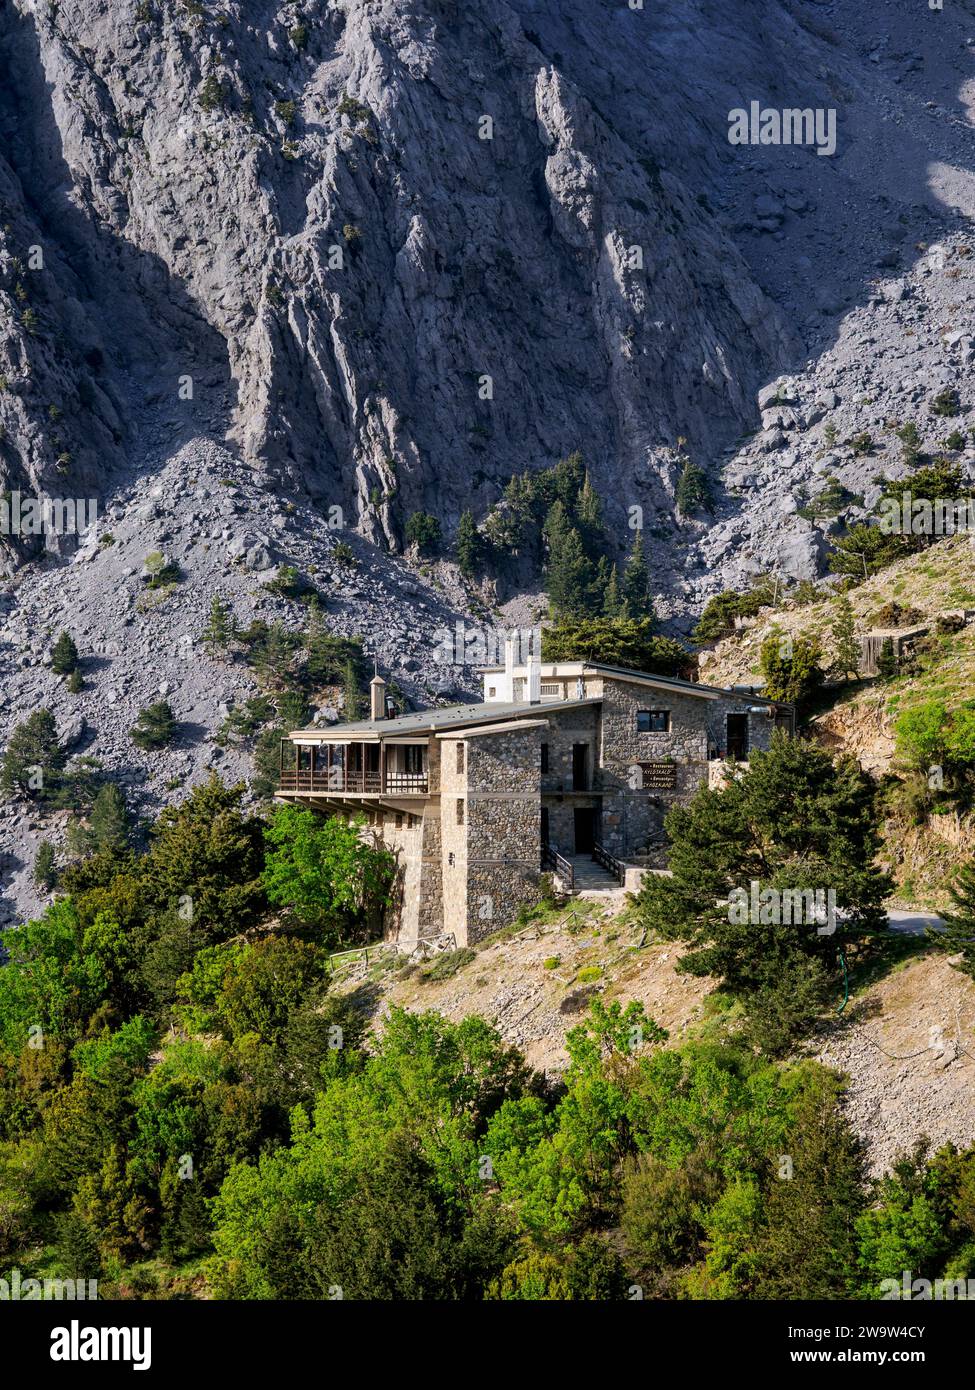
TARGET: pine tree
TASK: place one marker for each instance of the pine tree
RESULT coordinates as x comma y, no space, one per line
154,727
469,545
352,699
34,760
635,586
64,655
887,660
958,935
569,573
45,867
846,653
612,600
75,682
693,491
219,631
272,659
589,516
292,709
108,824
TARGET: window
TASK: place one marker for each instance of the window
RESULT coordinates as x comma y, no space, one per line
399,820
460,757
492,691
460,812
545,757
413,757
653,721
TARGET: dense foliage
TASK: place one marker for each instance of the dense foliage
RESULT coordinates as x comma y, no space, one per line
188,1109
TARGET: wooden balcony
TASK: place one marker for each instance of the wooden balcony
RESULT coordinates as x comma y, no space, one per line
336,781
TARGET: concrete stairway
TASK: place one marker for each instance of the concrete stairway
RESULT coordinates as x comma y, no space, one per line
591,879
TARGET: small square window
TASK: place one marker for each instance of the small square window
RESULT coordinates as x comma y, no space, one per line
460,812
545,757
653,721
492,691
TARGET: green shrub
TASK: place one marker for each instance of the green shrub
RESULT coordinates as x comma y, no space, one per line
154,727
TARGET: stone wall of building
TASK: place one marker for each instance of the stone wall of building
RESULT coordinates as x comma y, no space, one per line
503,825
633,811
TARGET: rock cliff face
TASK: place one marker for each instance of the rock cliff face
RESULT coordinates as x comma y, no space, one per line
398,249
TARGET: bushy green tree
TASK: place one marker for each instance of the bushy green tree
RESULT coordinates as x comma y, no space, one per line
790,666
324,870
33,763
155,726
794,820
423,532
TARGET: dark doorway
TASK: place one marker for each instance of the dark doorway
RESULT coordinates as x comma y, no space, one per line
580,767
584,829
544,825
738,737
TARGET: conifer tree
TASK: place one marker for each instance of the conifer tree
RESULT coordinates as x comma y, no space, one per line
45,867
635,586
809,1246
34,759
612,599
887,660
154,727
219,630
351,695
569,573
108,824
64,655
693,491
75,682
469,545
846,653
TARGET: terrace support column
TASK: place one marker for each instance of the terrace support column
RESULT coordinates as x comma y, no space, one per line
382,768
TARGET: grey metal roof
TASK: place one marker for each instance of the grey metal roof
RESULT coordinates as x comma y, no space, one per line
451,716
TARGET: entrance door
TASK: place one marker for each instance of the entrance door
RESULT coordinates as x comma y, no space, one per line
738,737
584,829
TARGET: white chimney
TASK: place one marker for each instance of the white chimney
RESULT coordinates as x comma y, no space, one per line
534,679
377,698
509,668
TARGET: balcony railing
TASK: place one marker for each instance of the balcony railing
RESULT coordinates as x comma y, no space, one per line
337,780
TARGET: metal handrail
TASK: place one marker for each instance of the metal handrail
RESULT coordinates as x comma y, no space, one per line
609,862
552,859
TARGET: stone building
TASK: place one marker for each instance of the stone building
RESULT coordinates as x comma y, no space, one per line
559,766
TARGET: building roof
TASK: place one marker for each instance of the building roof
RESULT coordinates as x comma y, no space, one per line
433,720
